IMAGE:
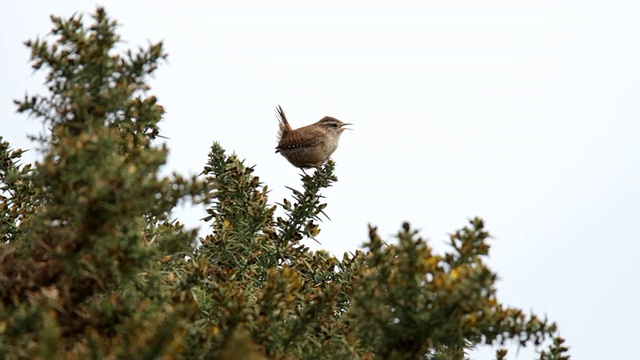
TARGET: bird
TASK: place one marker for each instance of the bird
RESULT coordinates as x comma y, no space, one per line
309,146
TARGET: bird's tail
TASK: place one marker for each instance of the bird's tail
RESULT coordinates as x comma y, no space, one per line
282,119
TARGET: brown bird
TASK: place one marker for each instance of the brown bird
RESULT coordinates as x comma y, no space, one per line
311,145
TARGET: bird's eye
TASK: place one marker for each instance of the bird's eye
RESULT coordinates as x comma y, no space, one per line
334,125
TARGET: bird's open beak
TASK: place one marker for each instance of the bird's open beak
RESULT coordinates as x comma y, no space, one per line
345,128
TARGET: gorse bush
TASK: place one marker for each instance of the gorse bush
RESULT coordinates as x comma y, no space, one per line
92,266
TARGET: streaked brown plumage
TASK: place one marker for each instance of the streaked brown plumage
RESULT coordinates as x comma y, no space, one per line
311,145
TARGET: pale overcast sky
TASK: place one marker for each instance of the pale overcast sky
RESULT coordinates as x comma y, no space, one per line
525,113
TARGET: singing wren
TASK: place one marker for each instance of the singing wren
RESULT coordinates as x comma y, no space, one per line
311,145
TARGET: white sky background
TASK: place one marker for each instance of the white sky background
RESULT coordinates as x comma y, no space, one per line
524,113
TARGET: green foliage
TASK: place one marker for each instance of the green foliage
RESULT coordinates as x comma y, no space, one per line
85,226
16,191
91,266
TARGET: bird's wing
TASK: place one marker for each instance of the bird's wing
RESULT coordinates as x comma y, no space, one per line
304,137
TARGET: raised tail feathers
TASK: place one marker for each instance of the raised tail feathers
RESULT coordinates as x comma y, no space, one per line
282,118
